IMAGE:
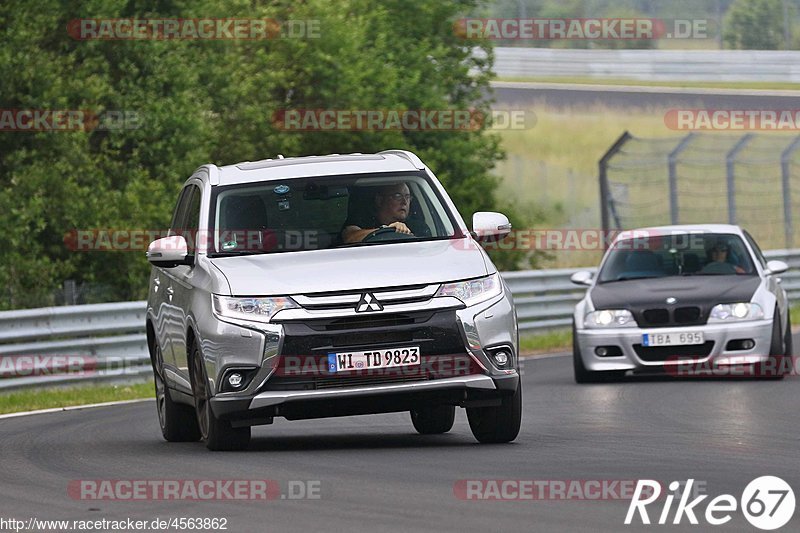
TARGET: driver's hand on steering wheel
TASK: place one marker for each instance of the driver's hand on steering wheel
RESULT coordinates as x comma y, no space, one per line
399,227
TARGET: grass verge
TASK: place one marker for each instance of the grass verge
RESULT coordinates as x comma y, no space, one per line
34,399
794,314
557,340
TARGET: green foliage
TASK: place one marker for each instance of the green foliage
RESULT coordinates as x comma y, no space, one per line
210,101
755,25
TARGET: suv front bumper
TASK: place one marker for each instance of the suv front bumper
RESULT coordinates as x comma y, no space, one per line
293,382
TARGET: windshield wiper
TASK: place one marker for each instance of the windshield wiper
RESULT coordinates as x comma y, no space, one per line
237,254
629,278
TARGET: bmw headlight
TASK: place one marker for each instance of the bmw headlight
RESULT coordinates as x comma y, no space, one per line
473,291
251,309
737,311
609,318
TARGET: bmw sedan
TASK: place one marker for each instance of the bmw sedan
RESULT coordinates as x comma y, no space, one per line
682,300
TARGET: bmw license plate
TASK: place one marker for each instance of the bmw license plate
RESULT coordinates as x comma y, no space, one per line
673,339
384,358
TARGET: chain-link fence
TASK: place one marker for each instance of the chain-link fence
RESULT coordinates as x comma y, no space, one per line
749,179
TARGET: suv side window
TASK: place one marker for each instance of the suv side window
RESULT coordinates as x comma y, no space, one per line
186,220
180,210
191,222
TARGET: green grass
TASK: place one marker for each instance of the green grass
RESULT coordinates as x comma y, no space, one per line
34,399
553,168
765,85
794,314
557,340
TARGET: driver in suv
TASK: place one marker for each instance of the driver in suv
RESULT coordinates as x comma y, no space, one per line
390,210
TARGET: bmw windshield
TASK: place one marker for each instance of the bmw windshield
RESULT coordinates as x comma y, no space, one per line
688,254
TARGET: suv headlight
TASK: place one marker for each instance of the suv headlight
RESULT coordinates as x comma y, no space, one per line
738,311
251,309
609,318
473,291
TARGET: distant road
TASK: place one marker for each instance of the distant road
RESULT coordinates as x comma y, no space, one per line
526,94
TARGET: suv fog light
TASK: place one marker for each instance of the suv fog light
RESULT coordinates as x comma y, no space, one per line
237,379
501,356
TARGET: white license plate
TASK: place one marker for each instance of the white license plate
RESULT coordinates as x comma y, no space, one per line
673,339
384,358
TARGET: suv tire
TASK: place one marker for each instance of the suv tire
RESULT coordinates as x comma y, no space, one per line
218,435
497,424
434,419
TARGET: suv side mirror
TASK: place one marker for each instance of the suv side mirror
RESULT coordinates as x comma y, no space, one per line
581,277
169,252
776,267
489,224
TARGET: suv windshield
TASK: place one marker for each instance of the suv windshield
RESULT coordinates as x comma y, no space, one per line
325,212
688,254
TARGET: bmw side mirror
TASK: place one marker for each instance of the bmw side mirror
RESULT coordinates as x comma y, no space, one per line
776,267
581,277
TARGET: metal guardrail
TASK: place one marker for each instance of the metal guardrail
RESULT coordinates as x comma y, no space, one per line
650,65
106,342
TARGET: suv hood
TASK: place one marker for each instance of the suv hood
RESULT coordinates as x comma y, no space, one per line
353,269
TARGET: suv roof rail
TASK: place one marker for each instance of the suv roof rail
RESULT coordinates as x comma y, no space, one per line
410,156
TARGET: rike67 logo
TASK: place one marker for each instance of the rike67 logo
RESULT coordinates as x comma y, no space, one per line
767,502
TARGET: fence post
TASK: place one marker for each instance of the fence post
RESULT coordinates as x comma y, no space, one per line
730,163
605,197
672,161
786,161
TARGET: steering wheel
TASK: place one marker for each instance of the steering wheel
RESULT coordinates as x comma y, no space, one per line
386,234
719,268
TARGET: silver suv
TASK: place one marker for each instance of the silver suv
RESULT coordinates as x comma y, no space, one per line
328,286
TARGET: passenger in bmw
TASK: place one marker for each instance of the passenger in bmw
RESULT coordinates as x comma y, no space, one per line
718,261
389,214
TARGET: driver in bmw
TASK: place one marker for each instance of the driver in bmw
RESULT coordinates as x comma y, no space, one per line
392,203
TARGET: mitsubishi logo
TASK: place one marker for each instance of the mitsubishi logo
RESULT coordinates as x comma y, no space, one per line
368,302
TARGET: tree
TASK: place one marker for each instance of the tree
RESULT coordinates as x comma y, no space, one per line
754,25
211,101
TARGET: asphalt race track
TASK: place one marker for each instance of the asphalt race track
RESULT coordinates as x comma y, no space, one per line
526,95
375,473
